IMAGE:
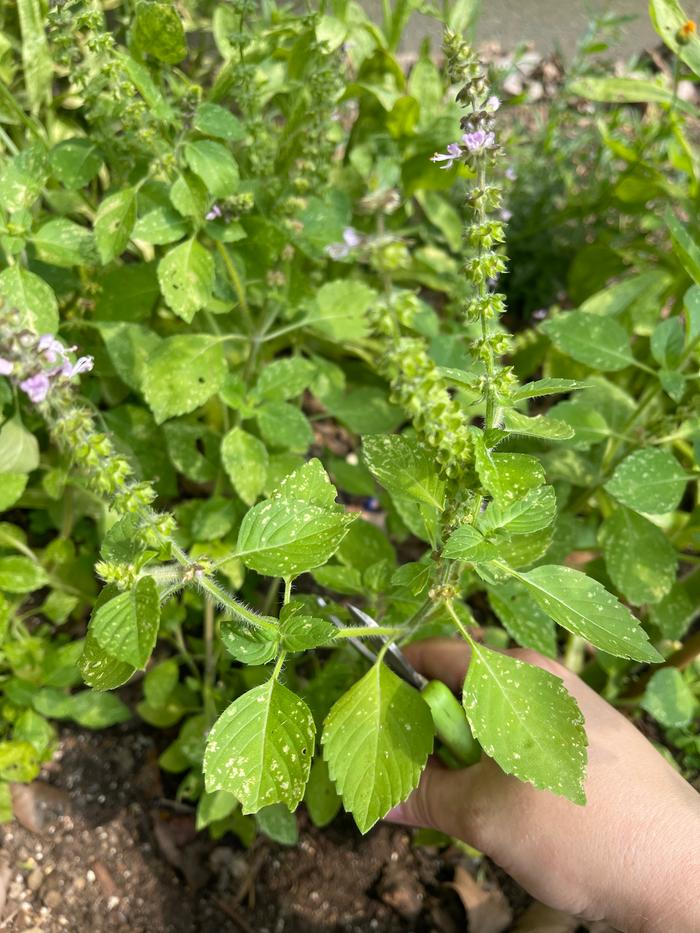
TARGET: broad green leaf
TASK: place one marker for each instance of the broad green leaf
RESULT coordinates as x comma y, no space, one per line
214,807
524,718
33,728
128,293
584,607
321,798
640,560
19,762
523,619
160,681
466,543
188,195
685,247
589,426
284,379
22,178
650,480
365,544
99,668
667,17
674,614
215,165
365,410
404,465
114,223
523,550
129,347
88,708
376,741
599,342
278,823
310,483
669,699
285,537
548,386
158,31
36,58
12,485
248,645
340,579
628,91
75,162
161,226
508,476
21,575
260,748
301,631
245,460
182,374
127,625
535,511
284,425
536,426
213,120
186,276
340,310
33,298
667,342
61,242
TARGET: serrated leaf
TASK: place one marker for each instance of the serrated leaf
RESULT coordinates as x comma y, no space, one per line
249,645
33,298
260,748
157,30
186,277
642,563
284,379
533,512
467,543
61,242
340,310
161,226
182,374
213,120
75,162
310,483
508,476
114,223
302,631
536,426
523,619
285,537
669,699
129,347
649,480
215,165
20,574
599,342
127,625
525,719
584,607
376,741
284,425
548,386
245,460
404,465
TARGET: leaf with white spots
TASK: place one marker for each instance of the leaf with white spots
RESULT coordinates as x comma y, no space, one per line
245,460
285,537
650,480
584,607
126,626
466,543
404,465
536,426
114,223
598,341
669,699
523,619
186,277
33,298
642,563
260,748
310,483
533,512
524,718
182,374
376,741
215,166
507,476
249,645
301,631
548,386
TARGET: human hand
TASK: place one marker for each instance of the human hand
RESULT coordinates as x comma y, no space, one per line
630,856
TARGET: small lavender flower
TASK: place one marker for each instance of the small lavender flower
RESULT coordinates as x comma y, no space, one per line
36,387
511,174
351,239
506,215
83,365
454,151
214,213
478,140
492,104
51,348
6,367
540,314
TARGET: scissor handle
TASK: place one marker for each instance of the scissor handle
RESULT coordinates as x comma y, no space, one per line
451,725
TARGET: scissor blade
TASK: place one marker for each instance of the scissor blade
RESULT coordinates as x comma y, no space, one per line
396,659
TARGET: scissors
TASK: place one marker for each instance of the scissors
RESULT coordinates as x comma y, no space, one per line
459,748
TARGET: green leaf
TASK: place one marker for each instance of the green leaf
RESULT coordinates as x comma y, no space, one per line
667,342
22,178
260,748
279,824
667,17
629,91
284,425
535,511
33,298
599,342
310,483
536,426
129,347
12,485
676,611
36,58
186,276
127,625
641,562
114,223
128,294
548,386
524,718
160,682
523,619
508,476
684,246
75,162
215,165
214,807
100,669
365,545
466,543
158,31
284,379
213,120
61,242
584,607
301,631
649,480
248,645
182,374
19,762
21,575
340,310
321,798
404,465
376,741
589,426
161,226
285,537
669,699
245,460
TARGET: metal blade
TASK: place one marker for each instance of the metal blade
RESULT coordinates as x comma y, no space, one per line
396,659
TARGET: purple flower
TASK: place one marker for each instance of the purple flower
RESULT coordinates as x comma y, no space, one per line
51,348
492,104
83,365
506,215
351,239
36,387
511,174
478,140
540,314
453,152
213,213
6,367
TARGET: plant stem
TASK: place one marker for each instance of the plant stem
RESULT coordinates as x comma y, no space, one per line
209,661
237,608
235,280
458,622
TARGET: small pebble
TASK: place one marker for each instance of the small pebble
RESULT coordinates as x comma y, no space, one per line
35,879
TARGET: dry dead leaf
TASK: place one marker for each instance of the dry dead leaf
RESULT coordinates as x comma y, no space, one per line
487,910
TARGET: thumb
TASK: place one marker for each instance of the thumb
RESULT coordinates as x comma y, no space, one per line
446,800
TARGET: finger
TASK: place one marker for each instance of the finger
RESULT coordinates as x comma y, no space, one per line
446,800
445,659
